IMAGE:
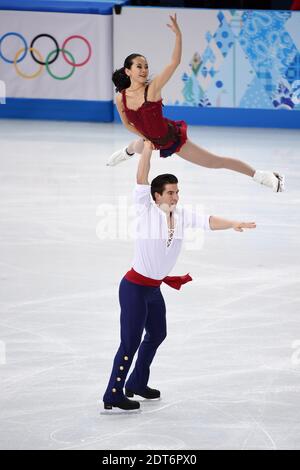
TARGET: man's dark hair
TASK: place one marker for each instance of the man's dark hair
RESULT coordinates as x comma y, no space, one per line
159,183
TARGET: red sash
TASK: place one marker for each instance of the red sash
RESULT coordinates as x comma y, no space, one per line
173,281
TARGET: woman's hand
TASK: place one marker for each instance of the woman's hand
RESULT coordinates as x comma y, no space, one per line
174,25
239,226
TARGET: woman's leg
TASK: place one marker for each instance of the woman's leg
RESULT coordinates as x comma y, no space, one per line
136,146
202,157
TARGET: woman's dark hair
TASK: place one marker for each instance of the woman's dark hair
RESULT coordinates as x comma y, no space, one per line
119,77
159,183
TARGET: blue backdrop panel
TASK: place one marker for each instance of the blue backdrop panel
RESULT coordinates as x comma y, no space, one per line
103,7
58,110
229,117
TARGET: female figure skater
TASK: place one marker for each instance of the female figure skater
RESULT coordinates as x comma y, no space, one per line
140,107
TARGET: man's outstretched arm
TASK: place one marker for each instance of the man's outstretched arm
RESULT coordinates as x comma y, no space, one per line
144,164
217,223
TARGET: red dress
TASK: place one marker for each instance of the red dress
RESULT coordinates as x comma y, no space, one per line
296,5
167,136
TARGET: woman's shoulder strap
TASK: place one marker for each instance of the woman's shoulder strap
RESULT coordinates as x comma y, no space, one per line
123,98
146,91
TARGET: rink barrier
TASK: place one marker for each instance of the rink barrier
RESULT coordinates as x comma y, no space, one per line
57,110
105,111
230,117
90,7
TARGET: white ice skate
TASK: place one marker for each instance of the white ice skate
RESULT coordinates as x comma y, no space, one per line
118,157
272,180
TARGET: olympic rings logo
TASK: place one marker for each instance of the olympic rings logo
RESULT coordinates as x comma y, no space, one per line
44,63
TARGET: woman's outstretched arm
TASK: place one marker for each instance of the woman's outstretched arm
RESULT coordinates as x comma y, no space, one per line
161,79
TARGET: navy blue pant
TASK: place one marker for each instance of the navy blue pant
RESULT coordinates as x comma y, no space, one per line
142,308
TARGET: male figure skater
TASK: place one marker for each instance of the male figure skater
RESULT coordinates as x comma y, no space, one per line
161,226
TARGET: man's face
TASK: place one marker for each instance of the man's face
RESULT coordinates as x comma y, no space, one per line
168,199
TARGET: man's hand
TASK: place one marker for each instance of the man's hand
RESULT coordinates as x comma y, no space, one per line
239,226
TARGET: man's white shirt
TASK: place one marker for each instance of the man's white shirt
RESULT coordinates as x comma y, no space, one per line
152,257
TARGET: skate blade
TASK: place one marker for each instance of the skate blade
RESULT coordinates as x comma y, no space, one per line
114,163
142,399
281,183
118,411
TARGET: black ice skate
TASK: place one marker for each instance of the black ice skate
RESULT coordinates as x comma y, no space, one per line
125,404
149,393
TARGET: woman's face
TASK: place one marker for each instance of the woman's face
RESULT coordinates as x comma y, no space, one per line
139,70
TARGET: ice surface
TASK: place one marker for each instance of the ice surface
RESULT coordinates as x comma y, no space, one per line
229,370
